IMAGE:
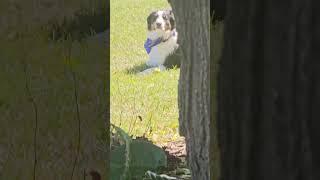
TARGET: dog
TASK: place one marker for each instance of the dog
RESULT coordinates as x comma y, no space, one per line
162,36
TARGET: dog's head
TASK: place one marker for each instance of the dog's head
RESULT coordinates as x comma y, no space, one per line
161,21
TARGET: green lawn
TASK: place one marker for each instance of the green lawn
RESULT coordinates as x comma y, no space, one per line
140,103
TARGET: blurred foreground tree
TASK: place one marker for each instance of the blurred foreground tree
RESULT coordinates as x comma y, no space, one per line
269,90
53,95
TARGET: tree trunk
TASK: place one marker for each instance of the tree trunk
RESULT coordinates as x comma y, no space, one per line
53,121
269,91
216,44
193,18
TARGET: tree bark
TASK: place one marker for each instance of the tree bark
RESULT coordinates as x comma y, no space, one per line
269,91
193,18
216,44
219,7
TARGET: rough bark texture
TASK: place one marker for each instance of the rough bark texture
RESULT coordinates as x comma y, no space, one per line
269,91
193,18
216,44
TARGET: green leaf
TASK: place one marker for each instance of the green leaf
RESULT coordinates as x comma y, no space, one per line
123,167
125,137
154,176
118,160
143,156
146,156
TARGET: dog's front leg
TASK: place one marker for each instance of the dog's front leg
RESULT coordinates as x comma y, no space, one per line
155,58
162,68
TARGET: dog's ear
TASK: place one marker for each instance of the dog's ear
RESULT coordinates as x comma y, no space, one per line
150,19
172,19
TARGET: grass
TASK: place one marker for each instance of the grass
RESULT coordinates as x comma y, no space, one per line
141,105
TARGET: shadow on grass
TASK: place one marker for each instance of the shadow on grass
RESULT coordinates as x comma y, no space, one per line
137,68
141,67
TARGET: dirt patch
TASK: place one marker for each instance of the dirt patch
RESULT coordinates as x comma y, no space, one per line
176,154
176,158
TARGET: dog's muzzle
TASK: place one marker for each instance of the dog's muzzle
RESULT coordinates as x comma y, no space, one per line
158,25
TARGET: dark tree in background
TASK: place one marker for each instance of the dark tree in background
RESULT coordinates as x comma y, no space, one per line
269,90
216,45
219,12
193,19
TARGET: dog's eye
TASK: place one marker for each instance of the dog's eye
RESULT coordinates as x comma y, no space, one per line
164,17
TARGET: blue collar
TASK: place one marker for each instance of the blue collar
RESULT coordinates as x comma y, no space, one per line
149,43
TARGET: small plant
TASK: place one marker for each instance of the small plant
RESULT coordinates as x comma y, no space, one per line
153,176
131,159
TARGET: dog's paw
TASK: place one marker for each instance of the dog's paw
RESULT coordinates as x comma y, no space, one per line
162,68
151,63
153,69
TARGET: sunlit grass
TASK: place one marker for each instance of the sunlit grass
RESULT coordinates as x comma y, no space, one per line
142,105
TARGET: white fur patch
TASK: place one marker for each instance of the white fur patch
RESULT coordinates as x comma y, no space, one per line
161,51
153,69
